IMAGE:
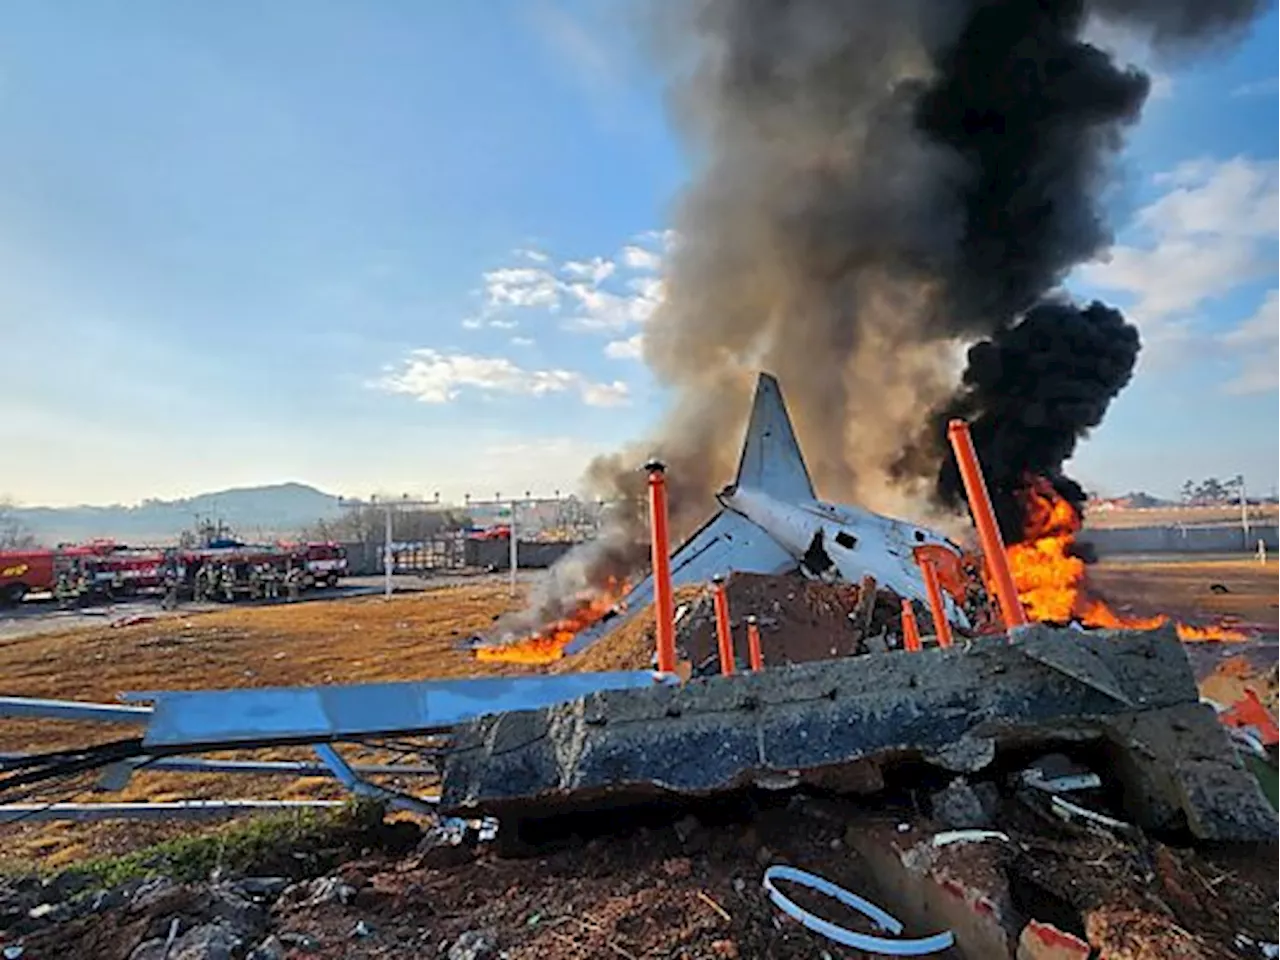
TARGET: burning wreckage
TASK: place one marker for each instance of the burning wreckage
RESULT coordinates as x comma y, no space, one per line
1100,731
975,696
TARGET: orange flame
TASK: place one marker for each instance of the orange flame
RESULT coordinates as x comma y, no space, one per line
1051,580
547,645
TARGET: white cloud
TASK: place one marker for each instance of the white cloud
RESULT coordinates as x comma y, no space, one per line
1206,236
638,258
521,342
1256,342
1211,232
599,299
613,394
1235,198
521,287
596,270
631,348
435,377
1161,86
1267,87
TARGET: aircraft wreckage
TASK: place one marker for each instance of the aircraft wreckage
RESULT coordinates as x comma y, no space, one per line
537,746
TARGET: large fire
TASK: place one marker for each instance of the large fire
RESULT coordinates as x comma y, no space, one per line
1051,579
547,645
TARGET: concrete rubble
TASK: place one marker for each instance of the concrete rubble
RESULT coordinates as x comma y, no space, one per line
1129,696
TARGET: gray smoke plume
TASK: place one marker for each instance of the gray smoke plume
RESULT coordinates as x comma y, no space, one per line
878,185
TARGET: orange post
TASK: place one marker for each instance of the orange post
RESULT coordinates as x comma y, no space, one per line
984,517
937,608
723,636
910,632
664,610
753,644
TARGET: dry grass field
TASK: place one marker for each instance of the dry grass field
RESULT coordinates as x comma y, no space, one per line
370,639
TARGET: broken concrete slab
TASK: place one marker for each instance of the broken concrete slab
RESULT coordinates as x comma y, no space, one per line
1131,691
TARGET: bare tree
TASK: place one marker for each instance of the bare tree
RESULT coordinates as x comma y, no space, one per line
14,534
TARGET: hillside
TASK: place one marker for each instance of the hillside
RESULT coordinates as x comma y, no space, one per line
253,512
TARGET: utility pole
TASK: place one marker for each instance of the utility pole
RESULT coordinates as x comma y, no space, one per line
1244,512
388,556
515,546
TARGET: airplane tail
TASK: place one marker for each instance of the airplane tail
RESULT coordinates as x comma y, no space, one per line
771,459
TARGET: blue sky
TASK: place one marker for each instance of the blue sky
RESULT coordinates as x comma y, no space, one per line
407,246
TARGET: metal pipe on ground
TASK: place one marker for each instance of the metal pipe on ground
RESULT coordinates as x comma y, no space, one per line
177,810
984,518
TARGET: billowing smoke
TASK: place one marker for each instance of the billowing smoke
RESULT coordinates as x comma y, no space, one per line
1029,393
878,185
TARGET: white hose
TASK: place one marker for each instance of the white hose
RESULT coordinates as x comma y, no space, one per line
860,941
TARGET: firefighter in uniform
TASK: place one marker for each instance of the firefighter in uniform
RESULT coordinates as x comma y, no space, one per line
170,601
200,584
63,591
293,582
229,582
271,581
255,581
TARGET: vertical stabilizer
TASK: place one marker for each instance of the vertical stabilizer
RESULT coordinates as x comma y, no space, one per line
771,459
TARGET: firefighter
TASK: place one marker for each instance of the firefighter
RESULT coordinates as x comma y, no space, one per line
293,582
170,601
63,591
202,588
255,581
229,582
271,581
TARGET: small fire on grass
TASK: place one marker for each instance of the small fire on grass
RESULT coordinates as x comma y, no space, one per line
1051,579
548,644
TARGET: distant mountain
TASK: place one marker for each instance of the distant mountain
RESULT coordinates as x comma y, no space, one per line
252,512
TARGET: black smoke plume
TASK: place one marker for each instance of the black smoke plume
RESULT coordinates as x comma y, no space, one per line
877,186
1029,394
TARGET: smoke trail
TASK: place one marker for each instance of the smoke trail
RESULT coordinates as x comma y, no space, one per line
877,186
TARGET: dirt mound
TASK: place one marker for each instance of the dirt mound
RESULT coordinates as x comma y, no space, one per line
800,620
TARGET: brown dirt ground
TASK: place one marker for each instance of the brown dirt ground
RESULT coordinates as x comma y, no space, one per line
1182,589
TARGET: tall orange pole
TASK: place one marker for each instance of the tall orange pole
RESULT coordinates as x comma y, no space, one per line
937,608
753,644
663,605
723,636
910,632
984,517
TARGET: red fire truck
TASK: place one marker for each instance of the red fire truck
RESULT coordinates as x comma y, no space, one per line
36,570
326,564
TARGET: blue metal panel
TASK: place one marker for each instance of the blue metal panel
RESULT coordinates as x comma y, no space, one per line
319,714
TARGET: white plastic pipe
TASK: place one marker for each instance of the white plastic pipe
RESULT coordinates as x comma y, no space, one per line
859,941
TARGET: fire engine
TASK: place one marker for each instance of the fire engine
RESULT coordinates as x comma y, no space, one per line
105,568
36,570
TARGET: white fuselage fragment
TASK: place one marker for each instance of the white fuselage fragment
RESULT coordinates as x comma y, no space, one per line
857,542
